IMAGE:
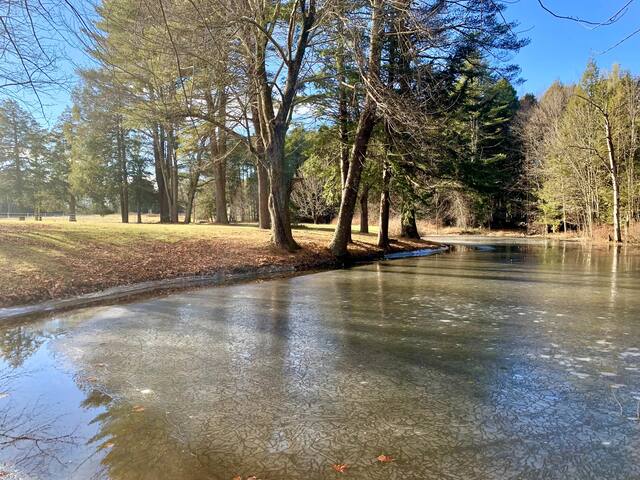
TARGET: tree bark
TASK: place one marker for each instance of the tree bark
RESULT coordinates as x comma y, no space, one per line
364,130
219,142
191,195
264,219
408,227
364,210
220,174
343,114
123,174
385,204
613,171
18,181
172,166
158,156
281,234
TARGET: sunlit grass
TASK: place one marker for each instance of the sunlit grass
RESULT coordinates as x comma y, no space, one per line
55,257
109,229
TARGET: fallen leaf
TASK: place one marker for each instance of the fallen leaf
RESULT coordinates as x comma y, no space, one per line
237,477
340,467
384,458
252,477
137,409
109,445
91,379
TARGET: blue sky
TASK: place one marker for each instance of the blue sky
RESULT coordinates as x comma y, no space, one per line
559,49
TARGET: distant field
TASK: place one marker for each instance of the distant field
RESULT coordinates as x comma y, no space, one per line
55,258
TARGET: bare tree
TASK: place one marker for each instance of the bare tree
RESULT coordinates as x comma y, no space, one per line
308,196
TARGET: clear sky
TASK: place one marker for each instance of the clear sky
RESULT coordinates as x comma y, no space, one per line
559,49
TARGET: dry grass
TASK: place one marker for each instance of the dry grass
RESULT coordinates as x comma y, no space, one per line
55,258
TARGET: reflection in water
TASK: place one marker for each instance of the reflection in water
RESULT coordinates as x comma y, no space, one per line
510,361
18,344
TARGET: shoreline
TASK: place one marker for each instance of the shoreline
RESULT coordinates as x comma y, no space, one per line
221,277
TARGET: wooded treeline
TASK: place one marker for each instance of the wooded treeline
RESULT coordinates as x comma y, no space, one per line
582,153
279,111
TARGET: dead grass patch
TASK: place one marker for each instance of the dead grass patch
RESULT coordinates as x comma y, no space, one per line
54,259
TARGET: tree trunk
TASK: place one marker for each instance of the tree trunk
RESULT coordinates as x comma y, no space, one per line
613,171
408,227
364,210
220,161
264,220
281,234
343,116
72,207
124,183
385,204
350,191
158,156
364,130
220,174
172,164
275,123
18,182
194,179
187,211
191,195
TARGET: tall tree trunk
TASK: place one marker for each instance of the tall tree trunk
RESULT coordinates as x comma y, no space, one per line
138,206
220,174
275,123
343,112
158,156
18,180
188,210
194,179
191,195
364,210
564,212
364,130
281,233
408,227
350,191
220,161
124,182
613,171
172,166
385,204
264,219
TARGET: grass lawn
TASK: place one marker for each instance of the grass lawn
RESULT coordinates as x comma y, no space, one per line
55,258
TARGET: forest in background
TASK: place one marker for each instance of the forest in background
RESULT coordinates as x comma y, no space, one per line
278,112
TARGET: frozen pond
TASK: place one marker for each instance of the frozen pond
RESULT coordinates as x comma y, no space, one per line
508,361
